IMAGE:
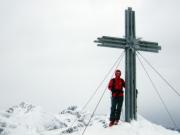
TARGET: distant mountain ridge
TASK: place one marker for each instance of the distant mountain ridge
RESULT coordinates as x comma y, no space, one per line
29,117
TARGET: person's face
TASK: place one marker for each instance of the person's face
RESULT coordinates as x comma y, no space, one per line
118,73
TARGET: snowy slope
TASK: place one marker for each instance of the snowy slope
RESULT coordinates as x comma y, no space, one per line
140,127
25,119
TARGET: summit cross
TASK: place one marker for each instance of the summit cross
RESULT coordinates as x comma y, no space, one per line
131,44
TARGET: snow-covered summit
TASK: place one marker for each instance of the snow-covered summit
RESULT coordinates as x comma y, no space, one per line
22,107
27,119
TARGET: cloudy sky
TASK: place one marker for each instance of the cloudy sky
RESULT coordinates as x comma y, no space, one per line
48,57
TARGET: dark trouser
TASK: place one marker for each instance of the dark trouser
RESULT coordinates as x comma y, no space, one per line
116,105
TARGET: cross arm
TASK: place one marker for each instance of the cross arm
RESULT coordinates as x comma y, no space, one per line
147,46
112,42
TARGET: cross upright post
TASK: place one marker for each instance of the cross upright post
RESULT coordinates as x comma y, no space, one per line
130,66
131,45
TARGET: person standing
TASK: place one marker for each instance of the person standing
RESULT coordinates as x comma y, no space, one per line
116,86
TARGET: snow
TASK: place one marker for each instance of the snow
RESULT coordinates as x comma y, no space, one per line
140,127
26,119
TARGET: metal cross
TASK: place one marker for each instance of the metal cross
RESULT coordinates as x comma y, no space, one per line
131,44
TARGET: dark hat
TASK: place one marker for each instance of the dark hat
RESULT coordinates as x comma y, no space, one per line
117,70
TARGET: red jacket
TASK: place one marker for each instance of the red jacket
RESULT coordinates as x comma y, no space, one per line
118,83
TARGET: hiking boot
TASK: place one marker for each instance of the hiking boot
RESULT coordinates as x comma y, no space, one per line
111,123
116,122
